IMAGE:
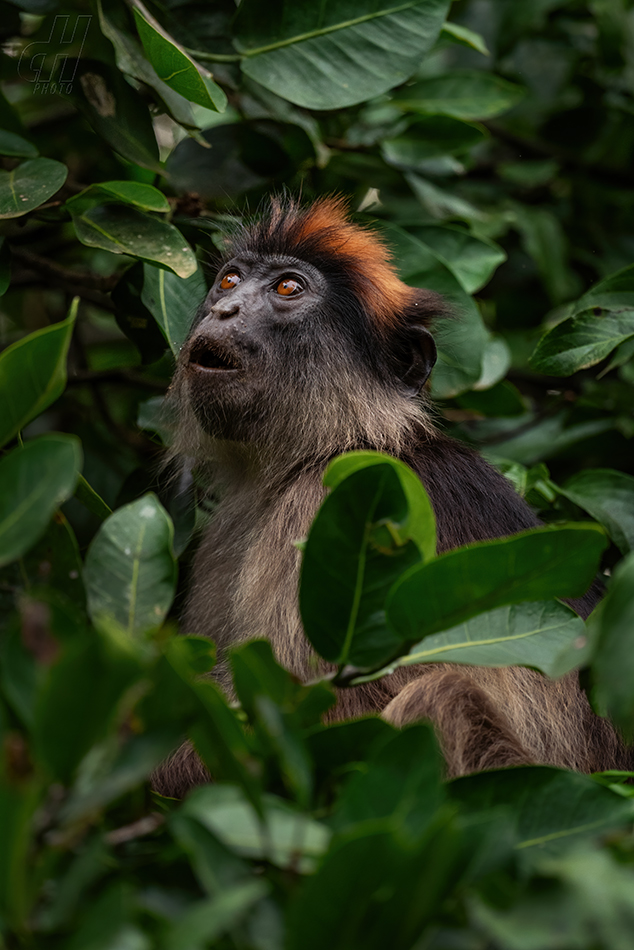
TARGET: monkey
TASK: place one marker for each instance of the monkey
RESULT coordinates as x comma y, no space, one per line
309,345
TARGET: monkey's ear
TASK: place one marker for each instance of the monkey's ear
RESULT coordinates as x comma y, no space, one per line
417,356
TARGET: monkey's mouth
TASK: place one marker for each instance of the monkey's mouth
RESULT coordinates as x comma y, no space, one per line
207,355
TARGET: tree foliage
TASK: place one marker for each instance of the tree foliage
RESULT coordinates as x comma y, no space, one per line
492,142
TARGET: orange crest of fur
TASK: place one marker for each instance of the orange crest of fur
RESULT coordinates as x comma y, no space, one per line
364,254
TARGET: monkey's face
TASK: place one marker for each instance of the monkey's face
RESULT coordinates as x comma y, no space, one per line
255,338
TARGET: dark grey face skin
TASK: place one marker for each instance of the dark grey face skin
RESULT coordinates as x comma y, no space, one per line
238,321
244,337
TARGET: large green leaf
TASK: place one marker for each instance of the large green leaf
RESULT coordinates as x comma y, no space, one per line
173,66
534,565
33,374
550,808
130,572
464,94
329,55
582,341
36,478
374,890
173,301
542,635
613,665
29,185
420,522
428,138
609,497
401,782
124,230
358,545
471,260
134,193
600,320
288,837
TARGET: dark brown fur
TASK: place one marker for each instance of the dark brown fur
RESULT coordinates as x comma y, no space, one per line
334,391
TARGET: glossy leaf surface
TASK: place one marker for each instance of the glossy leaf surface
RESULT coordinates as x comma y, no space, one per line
328,57
130,573
537,564
124,230
33,374
36,479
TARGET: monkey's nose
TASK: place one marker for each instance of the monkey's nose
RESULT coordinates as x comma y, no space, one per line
225,309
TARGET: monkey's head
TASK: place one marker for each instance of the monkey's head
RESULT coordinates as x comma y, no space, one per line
308,337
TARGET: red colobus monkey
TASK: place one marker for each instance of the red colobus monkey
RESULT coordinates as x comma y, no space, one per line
309,345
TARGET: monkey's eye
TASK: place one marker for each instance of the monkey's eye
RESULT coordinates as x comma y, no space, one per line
230,280
289,287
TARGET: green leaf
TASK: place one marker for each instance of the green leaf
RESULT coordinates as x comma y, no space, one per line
471,260
613,664
15,145
461,342
443,203
607,496
215,865
33,374
358,545
551,808
428,138
465,37
134,318
538,634
36,478
134,193
496,362
89,498
29,185
279,709
173,301
420,522
130,59
174,67
329,56
287,837
600,321
374,890
207,920
124,230
130,572
582,341
464,94
402,782
534,565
